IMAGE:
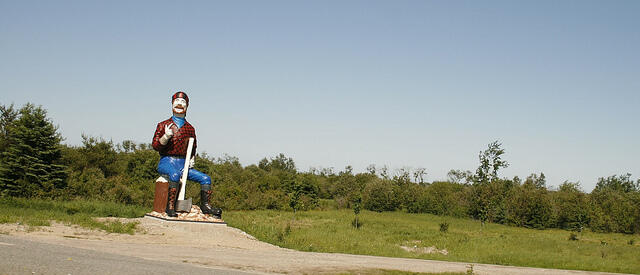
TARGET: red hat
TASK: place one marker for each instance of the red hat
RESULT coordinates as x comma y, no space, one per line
180,94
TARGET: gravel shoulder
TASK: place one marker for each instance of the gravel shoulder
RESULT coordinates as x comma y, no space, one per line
220,246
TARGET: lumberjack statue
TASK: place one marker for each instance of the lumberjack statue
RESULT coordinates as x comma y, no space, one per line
170,140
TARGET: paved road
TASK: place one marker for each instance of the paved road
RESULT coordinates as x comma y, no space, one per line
19,256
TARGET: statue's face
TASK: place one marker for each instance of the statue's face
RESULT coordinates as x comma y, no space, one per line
179,106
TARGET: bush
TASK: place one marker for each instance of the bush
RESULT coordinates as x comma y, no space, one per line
487,200
573,237
571,207
380,196
446,198
444,227
615,211
88,183
529,206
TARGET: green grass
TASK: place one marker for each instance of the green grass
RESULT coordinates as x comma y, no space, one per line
466,240
34,212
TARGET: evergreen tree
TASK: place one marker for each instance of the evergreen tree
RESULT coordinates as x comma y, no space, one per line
7,116
29,160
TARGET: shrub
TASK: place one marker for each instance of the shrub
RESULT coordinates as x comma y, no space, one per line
487,200
614,211
416,200
573,237
380,196
529,206
470,270
89,183
444,227
441,198
571,207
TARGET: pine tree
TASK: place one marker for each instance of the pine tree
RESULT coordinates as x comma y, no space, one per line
7,116
29,160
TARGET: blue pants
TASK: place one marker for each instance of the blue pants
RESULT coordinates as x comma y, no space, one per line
173,166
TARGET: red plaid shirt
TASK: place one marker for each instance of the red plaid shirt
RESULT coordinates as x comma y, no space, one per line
177,145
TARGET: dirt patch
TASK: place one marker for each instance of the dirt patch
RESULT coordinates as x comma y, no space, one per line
417,247
425,250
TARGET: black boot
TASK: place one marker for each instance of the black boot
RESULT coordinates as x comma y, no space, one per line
171,202
205,196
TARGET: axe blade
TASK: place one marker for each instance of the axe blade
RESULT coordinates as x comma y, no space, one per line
184,205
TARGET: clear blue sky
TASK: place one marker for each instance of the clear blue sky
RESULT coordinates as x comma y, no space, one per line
335,83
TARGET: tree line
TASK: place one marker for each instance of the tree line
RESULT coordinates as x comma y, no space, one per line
34,163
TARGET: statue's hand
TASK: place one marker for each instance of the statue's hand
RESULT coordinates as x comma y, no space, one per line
192,162
168,131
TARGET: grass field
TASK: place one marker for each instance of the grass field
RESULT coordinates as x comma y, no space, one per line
383,234
40,212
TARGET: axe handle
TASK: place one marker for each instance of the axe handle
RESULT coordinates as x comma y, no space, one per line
185,171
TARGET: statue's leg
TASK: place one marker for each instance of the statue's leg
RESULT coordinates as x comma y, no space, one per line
171,199
205,193
168,166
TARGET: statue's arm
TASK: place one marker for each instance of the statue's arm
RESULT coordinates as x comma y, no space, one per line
156,144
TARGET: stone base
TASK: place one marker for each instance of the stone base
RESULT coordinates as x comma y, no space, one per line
195,215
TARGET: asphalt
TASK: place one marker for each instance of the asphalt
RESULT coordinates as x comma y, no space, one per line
19,256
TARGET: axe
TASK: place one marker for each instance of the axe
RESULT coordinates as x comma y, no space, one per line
185,205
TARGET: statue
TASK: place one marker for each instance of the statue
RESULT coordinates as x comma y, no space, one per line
170,140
